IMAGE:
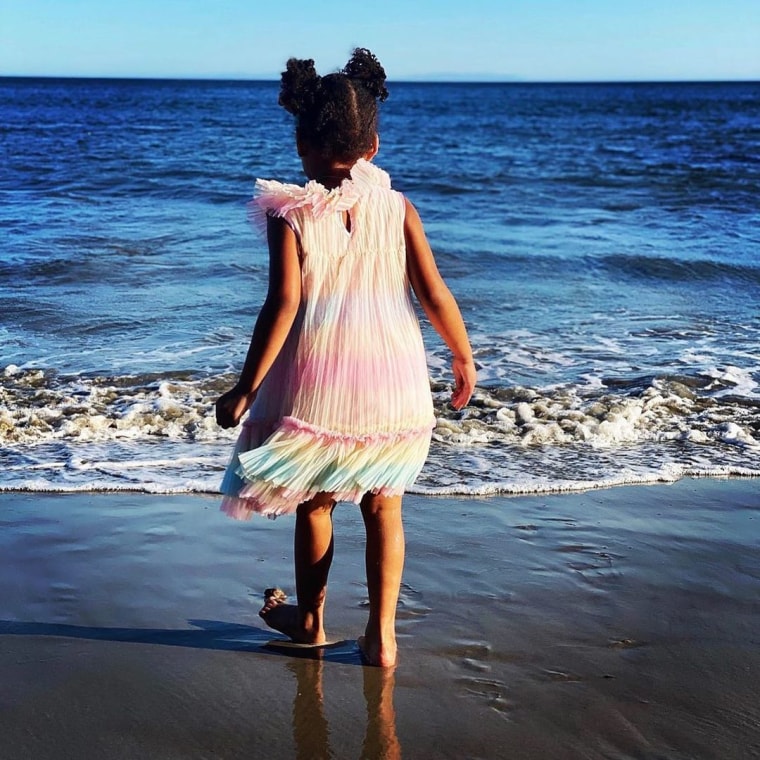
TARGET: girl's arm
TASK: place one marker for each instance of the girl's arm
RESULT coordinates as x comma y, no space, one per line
439,305
272,325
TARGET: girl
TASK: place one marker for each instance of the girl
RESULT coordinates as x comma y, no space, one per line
335,375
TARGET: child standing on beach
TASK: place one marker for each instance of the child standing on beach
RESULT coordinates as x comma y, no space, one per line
335,375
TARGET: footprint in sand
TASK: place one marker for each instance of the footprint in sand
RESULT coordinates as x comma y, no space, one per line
473,655
625,644
595,566
527,532
560,675
489,691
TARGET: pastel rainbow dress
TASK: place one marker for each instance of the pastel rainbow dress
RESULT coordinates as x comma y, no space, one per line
346,408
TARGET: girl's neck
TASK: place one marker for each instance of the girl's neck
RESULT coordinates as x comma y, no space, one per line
327,171
331,176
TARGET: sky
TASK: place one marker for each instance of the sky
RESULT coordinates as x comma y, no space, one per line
510,40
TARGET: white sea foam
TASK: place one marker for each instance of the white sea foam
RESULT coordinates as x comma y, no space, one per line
41,485
157,434
36,408
516,487
663,411
733,381
536,486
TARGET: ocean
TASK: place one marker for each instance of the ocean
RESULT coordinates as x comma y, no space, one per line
603,241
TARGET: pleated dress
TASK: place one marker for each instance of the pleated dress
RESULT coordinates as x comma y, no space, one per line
346,407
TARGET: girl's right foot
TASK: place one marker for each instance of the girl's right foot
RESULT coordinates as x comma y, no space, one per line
286,618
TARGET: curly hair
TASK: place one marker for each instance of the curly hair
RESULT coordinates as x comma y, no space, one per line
335,114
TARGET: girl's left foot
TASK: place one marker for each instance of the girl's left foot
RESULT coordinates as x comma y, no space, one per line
286,618
373,653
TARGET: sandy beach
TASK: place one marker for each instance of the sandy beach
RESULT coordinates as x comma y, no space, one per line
610,624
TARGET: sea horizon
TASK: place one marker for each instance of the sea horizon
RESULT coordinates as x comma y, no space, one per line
482,79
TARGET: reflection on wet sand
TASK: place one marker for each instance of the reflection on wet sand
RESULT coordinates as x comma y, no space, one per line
380,740
311,730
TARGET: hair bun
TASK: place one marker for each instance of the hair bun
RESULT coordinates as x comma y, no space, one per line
299,85
366,69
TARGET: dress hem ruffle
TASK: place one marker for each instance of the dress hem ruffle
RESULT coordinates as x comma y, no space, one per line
299,460
243,509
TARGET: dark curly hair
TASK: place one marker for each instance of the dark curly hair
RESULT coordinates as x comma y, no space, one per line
335,114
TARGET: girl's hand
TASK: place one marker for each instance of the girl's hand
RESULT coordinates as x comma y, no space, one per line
232,406
465,376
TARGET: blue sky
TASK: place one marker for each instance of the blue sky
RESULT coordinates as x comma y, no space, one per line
524,40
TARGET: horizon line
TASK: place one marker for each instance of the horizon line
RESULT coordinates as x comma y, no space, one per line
427,79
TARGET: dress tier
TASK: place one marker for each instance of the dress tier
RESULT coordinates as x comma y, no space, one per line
346,407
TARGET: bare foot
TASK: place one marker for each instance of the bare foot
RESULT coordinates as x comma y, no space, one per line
286,618
373,653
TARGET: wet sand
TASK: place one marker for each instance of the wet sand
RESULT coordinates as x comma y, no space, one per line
610,624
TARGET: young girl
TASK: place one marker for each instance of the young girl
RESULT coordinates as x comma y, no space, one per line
335,375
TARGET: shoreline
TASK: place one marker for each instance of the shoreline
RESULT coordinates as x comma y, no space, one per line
451,492
607,623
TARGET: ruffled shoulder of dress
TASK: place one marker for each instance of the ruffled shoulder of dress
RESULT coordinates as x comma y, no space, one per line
365,174
279,199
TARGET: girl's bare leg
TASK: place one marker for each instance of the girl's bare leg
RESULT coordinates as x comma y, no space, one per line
313,550
384,562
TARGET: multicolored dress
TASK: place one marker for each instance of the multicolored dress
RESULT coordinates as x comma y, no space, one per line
346,408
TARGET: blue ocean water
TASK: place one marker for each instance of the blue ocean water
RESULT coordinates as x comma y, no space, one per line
602,240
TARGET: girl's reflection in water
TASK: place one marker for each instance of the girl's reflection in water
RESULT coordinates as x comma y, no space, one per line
311,730
380,740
